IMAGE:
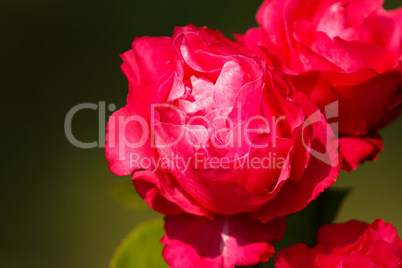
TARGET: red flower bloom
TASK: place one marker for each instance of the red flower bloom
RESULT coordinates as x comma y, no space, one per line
352,244
209,129
345,51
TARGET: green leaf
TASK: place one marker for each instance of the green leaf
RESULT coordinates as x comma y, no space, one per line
124,193
141,248
330,204
302,226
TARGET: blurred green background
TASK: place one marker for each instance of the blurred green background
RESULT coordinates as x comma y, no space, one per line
56,211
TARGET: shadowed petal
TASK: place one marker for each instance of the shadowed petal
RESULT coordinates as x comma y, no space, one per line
192,241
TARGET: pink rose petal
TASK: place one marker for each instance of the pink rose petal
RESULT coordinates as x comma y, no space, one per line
192,241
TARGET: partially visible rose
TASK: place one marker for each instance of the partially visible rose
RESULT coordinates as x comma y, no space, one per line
210,130
349,245
347,51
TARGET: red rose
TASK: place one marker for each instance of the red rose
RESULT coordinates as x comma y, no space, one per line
209,129
348,245
346,51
